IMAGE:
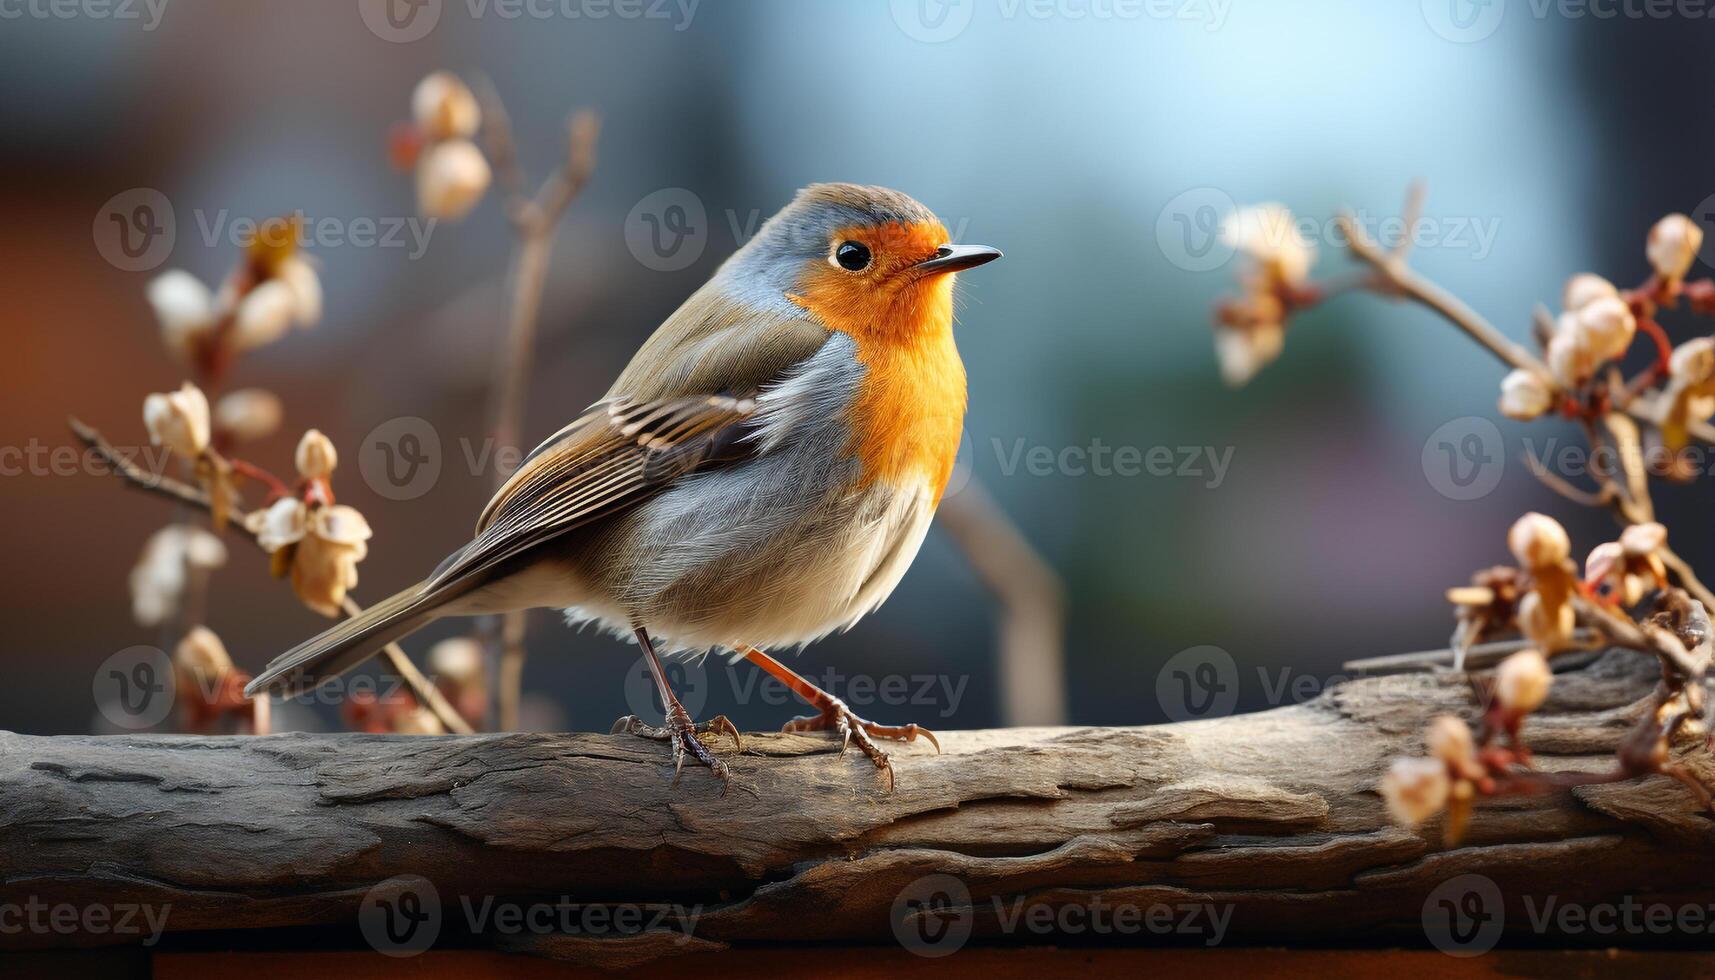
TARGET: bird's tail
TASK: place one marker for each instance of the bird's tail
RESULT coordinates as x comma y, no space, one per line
350,643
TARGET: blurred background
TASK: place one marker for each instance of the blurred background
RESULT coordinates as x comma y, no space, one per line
1306,519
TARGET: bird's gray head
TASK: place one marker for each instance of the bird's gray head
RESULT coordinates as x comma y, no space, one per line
838,235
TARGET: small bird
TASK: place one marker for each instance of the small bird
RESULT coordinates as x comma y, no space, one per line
761,474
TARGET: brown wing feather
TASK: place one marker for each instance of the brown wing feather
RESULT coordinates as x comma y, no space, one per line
680,405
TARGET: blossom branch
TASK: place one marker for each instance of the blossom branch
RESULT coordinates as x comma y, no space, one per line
186,494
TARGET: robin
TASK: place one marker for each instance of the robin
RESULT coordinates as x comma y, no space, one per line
761,474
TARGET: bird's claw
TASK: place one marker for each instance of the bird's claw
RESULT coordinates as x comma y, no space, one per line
686,738
836,716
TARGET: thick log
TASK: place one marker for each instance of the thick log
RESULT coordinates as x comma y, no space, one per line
1254,828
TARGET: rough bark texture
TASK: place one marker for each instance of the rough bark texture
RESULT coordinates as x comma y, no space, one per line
1271,817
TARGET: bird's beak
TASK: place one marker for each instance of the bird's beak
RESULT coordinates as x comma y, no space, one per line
953,258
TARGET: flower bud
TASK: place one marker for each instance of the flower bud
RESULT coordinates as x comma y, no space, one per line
1524,395
451,178
1607,327
1415,790
1538,540
178,420
183,306
418,721
1269,234
299,275
1641,540
1584,288
248,414
445,107
1693,362
264,315
1672,245
1549,627
316,457
1449,739
202,659
1569,360
458,660
1243,352
1522,682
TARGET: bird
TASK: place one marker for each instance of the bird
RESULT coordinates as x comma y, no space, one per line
761,474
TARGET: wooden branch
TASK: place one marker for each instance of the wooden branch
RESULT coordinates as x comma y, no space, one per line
425,692
1032,624
1267,824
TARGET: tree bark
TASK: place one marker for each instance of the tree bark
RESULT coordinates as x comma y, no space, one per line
1265,825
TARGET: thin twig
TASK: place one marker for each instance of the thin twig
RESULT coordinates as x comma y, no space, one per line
1032,629
187,494
534,221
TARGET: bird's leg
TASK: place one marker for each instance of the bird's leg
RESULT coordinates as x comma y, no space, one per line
833,714
679,729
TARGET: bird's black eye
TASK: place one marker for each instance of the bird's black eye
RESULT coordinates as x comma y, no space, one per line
852,255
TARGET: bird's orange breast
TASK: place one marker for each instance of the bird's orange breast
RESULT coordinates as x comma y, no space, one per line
909,410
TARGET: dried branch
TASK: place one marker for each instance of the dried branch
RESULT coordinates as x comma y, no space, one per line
1032,627
186,494
534,221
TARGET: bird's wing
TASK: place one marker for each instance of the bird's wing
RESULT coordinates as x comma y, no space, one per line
672,421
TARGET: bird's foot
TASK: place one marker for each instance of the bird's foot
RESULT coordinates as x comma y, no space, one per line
836,716
686,737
